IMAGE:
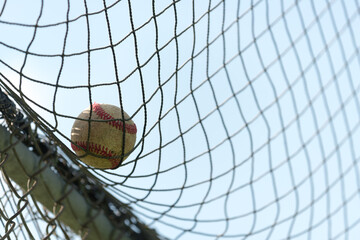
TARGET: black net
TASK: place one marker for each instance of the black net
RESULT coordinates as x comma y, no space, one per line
247,115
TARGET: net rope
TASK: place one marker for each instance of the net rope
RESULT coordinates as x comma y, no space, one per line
248,114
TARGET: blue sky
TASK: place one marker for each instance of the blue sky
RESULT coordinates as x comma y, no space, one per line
233,121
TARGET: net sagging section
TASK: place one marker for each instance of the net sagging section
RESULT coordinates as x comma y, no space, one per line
247,112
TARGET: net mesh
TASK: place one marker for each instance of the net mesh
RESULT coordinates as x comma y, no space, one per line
247,112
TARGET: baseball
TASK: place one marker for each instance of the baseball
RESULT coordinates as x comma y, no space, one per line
99,140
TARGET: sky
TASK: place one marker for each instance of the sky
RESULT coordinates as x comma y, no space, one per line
251,114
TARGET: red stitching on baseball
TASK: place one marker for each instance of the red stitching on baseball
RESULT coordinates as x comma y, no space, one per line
96,149
116,123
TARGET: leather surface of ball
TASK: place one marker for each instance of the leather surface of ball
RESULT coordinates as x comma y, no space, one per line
102,136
